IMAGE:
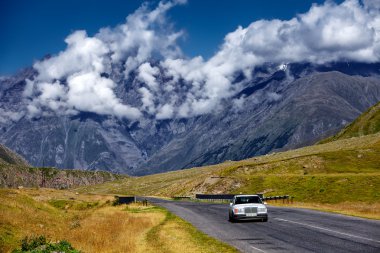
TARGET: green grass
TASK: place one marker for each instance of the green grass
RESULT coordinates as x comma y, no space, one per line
344,171
330,189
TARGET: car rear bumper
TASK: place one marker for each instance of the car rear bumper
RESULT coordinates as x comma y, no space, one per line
260,216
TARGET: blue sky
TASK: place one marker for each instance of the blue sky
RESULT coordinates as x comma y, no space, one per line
31,29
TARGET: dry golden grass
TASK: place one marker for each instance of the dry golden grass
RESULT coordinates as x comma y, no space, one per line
177,235
113,230
103,228
91,224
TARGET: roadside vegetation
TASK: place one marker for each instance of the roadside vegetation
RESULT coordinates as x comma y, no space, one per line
90,223
341,176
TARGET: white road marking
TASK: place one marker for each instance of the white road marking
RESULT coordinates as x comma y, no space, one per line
329,230
257,249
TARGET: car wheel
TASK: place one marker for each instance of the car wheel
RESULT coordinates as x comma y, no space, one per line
265,219
230,218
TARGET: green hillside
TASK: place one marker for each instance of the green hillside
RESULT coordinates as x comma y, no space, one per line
367,123
343,173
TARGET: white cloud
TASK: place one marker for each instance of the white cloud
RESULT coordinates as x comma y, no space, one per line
165,112
147,100
326,33
329,32
147,74
144,35
72,81
82,54
175,86
91,92
7,116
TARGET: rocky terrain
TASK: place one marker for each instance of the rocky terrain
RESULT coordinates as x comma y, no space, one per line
282,108
16,172
14,176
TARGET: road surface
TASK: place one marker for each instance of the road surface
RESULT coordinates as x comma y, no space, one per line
288,229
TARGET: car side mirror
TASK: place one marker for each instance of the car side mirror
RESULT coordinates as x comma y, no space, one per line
231,203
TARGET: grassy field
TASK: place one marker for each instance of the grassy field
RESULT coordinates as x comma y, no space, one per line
91,224
342,175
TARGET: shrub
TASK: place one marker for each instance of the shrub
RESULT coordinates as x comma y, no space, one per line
40,244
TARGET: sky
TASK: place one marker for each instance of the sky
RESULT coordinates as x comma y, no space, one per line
181,59
31,29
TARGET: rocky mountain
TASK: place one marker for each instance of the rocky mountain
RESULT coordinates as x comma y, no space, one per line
281,108
8,157
16,172
16,176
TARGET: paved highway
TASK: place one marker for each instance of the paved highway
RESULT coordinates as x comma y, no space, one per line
288,229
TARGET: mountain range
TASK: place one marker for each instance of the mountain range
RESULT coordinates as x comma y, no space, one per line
282,107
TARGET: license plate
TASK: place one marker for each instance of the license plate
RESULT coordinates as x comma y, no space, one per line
251,214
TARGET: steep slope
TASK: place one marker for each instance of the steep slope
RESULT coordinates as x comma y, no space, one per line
8,157
309,109
367,123
16,176
15,172
279,109
315,174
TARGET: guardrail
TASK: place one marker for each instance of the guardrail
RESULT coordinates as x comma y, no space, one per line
181,197
215,197
285,199
228,197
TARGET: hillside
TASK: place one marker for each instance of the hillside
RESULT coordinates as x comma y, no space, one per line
16,176
9,157
340,173
16,172
275,110
367,123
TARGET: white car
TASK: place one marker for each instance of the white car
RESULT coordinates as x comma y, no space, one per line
247,207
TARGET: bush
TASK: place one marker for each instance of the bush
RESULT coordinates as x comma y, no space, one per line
40,244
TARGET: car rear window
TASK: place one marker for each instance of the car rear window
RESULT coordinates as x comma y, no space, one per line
248,200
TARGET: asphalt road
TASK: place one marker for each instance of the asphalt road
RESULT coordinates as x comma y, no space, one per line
288,229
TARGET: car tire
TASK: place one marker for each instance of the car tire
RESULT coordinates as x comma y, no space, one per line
265,220
230,218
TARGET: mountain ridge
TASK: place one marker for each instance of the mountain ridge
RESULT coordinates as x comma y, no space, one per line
280,109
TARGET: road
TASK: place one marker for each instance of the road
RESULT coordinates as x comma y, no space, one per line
288,229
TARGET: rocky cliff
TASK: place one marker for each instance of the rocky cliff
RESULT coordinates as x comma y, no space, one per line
276,109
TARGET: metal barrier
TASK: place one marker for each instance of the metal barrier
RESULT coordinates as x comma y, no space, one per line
227,197
284,198
181,197
215,197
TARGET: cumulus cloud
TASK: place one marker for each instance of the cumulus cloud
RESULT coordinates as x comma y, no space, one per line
74,80
147,74
83,54
7,116
328,32
173,86
146,34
